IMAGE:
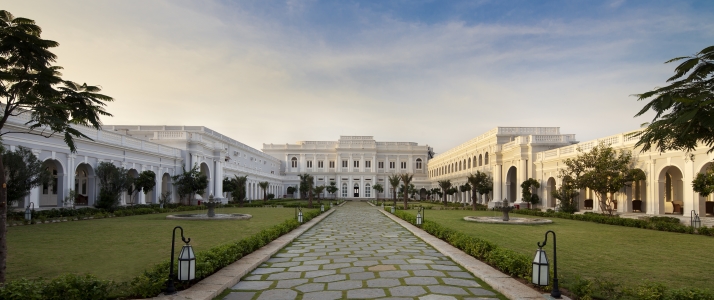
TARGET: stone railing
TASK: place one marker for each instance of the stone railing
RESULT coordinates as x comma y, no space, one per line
622,140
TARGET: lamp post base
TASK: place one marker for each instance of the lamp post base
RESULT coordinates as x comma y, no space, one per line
170,288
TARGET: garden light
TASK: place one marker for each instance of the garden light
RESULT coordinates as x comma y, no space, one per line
540,267
28,212
322,208
393,209
695,221
420,216
298,214
186,263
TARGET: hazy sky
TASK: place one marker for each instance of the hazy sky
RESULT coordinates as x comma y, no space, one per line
432,72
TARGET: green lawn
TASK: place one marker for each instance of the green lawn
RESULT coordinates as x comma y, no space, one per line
619,254
120,248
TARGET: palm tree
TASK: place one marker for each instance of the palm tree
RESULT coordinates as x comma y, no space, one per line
475,180
406,178
318,191
444,185
379,188
394,182
264,185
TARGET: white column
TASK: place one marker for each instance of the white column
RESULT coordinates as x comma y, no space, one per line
689,197
497,183
69,174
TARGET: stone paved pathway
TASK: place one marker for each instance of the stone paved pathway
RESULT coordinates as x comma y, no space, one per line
358,253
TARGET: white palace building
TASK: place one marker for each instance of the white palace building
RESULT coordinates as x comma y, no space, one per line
355,163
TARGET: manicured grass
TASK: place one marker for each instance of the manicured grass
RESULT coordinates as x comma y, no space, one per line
121,248
624,255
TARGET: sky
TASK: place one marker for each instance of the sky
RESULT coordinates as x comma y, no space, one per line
431,72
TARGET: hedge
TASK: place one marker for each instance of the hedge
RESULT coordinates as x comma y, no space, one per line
152,281
669,224
519,265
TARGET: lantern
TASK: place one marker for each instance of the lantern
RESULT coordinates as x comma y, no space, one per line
540,268
418,220
696,222
186,264
392,209
322,208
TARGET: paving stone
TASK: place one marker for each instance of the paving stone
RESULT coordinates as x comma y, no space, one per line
421,280
286,284
413,267
449,290
252,285
259,271
311,287
363,263
361,276
285,275
411,291
336,266
285,264
437,297
303,268
445,268
394,262
313,274
278,259
351,270
460,274
344,285
239,296
481,292
316,262
430,273
382,268
324,295
344,260
287,255
330,278
394,274
461,282
252,277
383,282
365,294
281,294
420,261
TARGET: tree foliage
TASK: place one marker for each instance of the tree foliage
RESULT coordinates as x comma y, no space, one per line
264,185
527,191
603,170
145,182
704,182
23,172
445,185
379,188
318,192
31,85
238,190
406,178
684,109
566,194
189,183
113,181
394,182
332,188
476,181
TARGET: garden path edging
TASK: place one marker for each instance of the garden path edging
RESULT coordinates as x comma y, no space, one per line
503,283
212,286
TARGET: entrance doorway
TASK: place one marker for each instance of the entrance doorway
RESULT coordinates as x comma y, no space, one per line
356,191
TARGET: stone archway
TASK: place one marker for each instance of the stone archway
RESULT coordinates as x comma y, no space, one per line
166,186
52,193
549,189
84,185
512,185
670,188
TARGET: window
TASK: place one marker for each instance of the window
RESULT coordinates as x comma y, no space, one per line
404,165
485,159
367,191
368,164
332,164
293,162
418,163
380,165
344,190
356,163
391,164
469,162
320,164
344,164
480,160
309,164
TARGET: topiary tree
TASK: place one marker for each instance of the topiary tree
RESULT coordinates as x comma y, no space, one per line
291,191
332,189
527,191
445,185
464,188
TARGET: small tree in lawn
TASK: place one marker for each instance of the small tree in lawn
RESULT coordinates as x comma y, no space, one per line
407,179
379,189
31,85
291,191
227,185
394,182
704,182
318,192
436,193
464,188
332,189
603,170
23,172
145,182
238,192
445,185
304,185
566,195
485,186
264,185
113,181
527,191
189,183
452,190
475,181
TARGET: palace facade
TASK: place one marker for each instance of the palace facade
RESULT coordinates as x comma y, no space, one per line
355,163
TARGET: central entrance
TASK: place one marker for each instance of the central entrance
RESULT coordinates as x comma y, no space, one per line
356,191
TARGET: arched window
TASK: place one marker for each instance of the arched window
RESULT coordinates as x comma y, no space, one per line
344,190
418,163
485,159
367,190
480,160
293,162
469,162
459,169
464,164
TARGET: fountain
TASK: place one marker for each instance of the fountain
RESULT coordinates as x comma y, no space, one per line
211,215
506,219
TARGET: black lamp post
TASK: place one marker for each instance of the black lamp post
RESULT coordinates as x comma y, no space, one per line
28,211
186,265
695,221
420,216
541,273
